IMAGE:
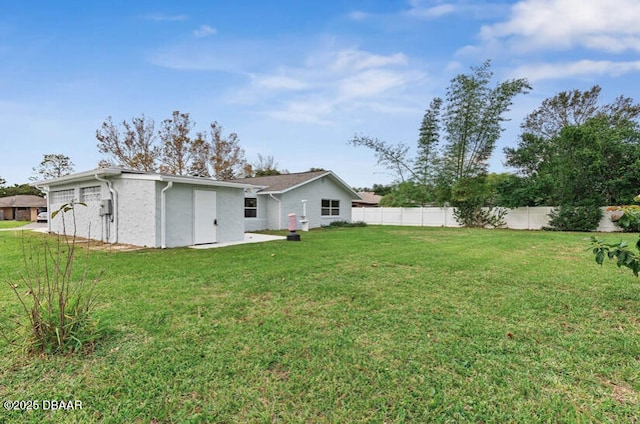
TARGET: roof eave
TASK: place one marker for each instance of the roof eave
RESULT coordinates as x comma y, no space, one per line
86,175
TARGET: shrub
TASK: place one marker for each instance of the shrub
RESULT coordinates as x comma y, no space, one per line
575,218
626,217
470,215
471,198
346,224
56,300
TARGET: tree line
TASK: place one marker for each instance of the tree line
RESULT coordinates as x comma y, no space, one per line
573,152
172,149
175,149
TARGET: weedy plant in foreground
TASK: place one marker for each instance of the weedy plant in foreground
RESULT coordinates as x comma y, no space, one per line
56,300
620,251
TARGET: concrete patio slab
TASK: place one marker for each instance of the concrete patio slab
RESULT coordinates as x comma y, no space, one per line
248,238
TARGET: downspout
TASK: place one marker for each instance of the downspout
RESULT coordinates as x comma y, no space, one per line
279,210
114,199
163,216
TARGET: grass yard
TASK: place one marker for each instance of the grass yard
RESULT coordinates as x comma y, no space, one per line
374,324
12,224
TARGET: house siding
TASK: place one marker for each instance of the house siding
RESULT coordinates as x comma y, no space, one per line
84,221
137,214
313,193
181,214
273,214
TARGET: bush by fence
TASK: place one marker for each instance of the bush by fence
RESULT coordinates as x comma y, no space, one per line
526,218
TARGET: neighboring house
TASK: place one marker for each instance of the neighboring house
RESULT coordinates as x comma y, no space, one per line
368,199
316,197
147,209
21,207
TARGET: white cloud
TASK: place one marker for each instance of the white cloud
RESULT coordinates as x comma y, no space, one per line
582,68
310,110
437,11
563,24
300,84
370,83
474,9
341,81
204,31
355,60
159,17
279,82
357,15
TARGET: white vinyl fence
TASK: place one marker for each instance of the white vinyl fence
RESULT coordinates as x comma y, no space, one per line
526,218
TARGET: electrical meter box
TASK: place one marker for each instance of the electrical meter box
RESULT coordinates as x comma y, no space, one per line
106,207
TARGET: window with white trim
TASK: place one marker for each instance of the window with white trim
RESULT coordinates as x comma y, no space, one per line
330,207
63,196
88,194
250,207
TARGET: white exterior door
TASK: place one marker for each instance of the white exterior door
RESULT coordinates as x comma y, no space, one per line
204,213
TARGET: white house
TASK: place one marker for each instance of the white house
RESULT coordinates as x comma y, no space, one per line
147,209
316,197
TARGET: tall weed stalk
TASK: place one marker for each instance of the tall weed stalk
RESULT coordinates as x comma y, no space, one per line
56,300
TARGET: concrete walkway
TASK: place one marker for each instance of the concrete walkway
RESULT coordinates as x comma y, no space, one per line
248,238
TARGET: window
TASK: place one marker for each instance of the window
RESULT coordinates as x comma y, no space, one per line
330,207
88,194
250,207
63,196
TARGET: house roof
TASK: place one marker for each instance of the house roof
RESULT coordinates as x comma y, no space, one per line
278,184
134,174
22,201
369,198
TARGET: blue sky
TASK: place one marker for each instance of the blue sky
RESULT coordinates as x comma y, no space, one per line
294,79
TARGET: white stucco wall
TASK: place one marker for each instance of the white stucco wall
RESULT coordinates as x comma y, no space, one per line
136,211
179,219
137,216
84,221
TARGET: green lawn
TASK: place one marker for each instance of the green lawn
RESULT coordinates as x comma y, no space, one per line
12,224
374,324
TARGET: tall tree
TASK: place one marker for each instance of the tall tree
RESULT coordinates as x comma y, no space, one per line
469,121
473,118
177,145
427,155
52,166
567,108
595,163
577,151
172,149
227,157
200,153
393,157
266,165
129,145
